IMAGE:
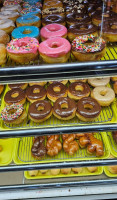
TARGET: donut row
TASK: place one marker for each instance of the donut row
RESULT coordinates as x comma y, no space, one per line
70,144
65,171
64,108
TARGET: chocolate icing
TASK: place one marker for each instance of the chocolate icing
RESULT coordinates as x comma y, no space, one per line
50,89
67,111
88,113
102,46
53,19
82,29
9,99
38,149
12,86
40,114
35,96
78,18
110,27
79,93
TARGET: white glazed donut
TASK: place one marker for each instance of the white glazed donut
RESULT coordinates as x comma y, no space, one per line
7,25
11,8
104,95
12,15
95,82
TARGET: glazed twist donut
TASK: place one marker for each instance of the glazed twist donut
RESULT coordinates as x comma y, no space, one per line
53,146
70,146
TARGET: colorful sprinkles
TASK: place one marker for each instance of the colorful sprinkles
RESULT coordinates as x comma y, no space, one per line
7,116
23,45
79,43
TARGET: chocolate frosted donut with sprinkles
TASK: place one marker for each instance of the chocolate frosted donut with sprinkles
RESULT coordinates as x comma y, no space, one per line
88,47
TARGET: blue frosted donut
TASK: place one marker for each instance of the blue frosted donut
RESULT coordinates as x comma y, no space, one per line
31,2
27,19
20,32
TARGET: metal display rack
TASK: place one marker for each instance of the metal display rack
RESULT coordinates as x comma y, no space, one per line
60,71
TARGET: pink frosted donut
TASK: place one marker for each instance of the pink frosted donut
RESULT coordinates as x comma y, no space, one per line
23,50
55,50
53,30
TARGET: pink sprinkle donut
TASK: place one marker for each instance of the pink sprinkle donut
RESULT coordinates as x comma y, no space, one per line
55,50
23,50
23,45
53,30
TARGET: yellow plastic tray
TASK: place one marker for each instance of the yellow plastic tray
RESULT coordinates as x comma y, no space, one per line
112,144
47,175
107,115
6,154
109,174
22,152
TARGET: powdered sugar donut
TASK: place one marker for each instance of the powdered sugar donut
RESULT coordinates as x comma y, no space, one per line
53,30
55,50
23,50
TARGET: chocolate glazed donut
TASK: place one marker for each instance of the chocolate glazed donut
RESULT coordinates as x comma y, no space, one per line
38,149
78,90
88,109
56,90
40,111
109,31
77,18
81,29
53,19
64,108
35,92
16,95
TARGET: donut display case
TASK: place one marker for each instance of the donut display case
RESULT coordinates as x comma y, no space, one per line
58,99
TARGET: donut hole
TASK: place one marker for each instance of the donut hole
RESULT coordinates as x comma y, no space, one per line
54,45
53,29
64,106
88,106
27,32
36,90
15,95
79,88
103,92
11,111
40,108
56,89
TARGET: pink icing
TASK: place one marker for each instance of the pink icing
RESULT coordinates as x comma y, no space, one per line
23,45
53,30
55,47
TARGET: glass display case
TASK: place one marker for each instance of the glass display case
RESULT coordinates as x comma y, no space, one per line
20,167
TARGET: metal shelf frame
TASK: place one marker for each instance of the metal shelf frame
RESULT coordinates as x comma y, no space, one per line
58,130
58,185
57,71
53,165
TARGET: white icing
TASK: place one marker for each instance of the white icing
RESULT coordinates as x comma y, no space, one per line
2,33
8,14
5,23
11,7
